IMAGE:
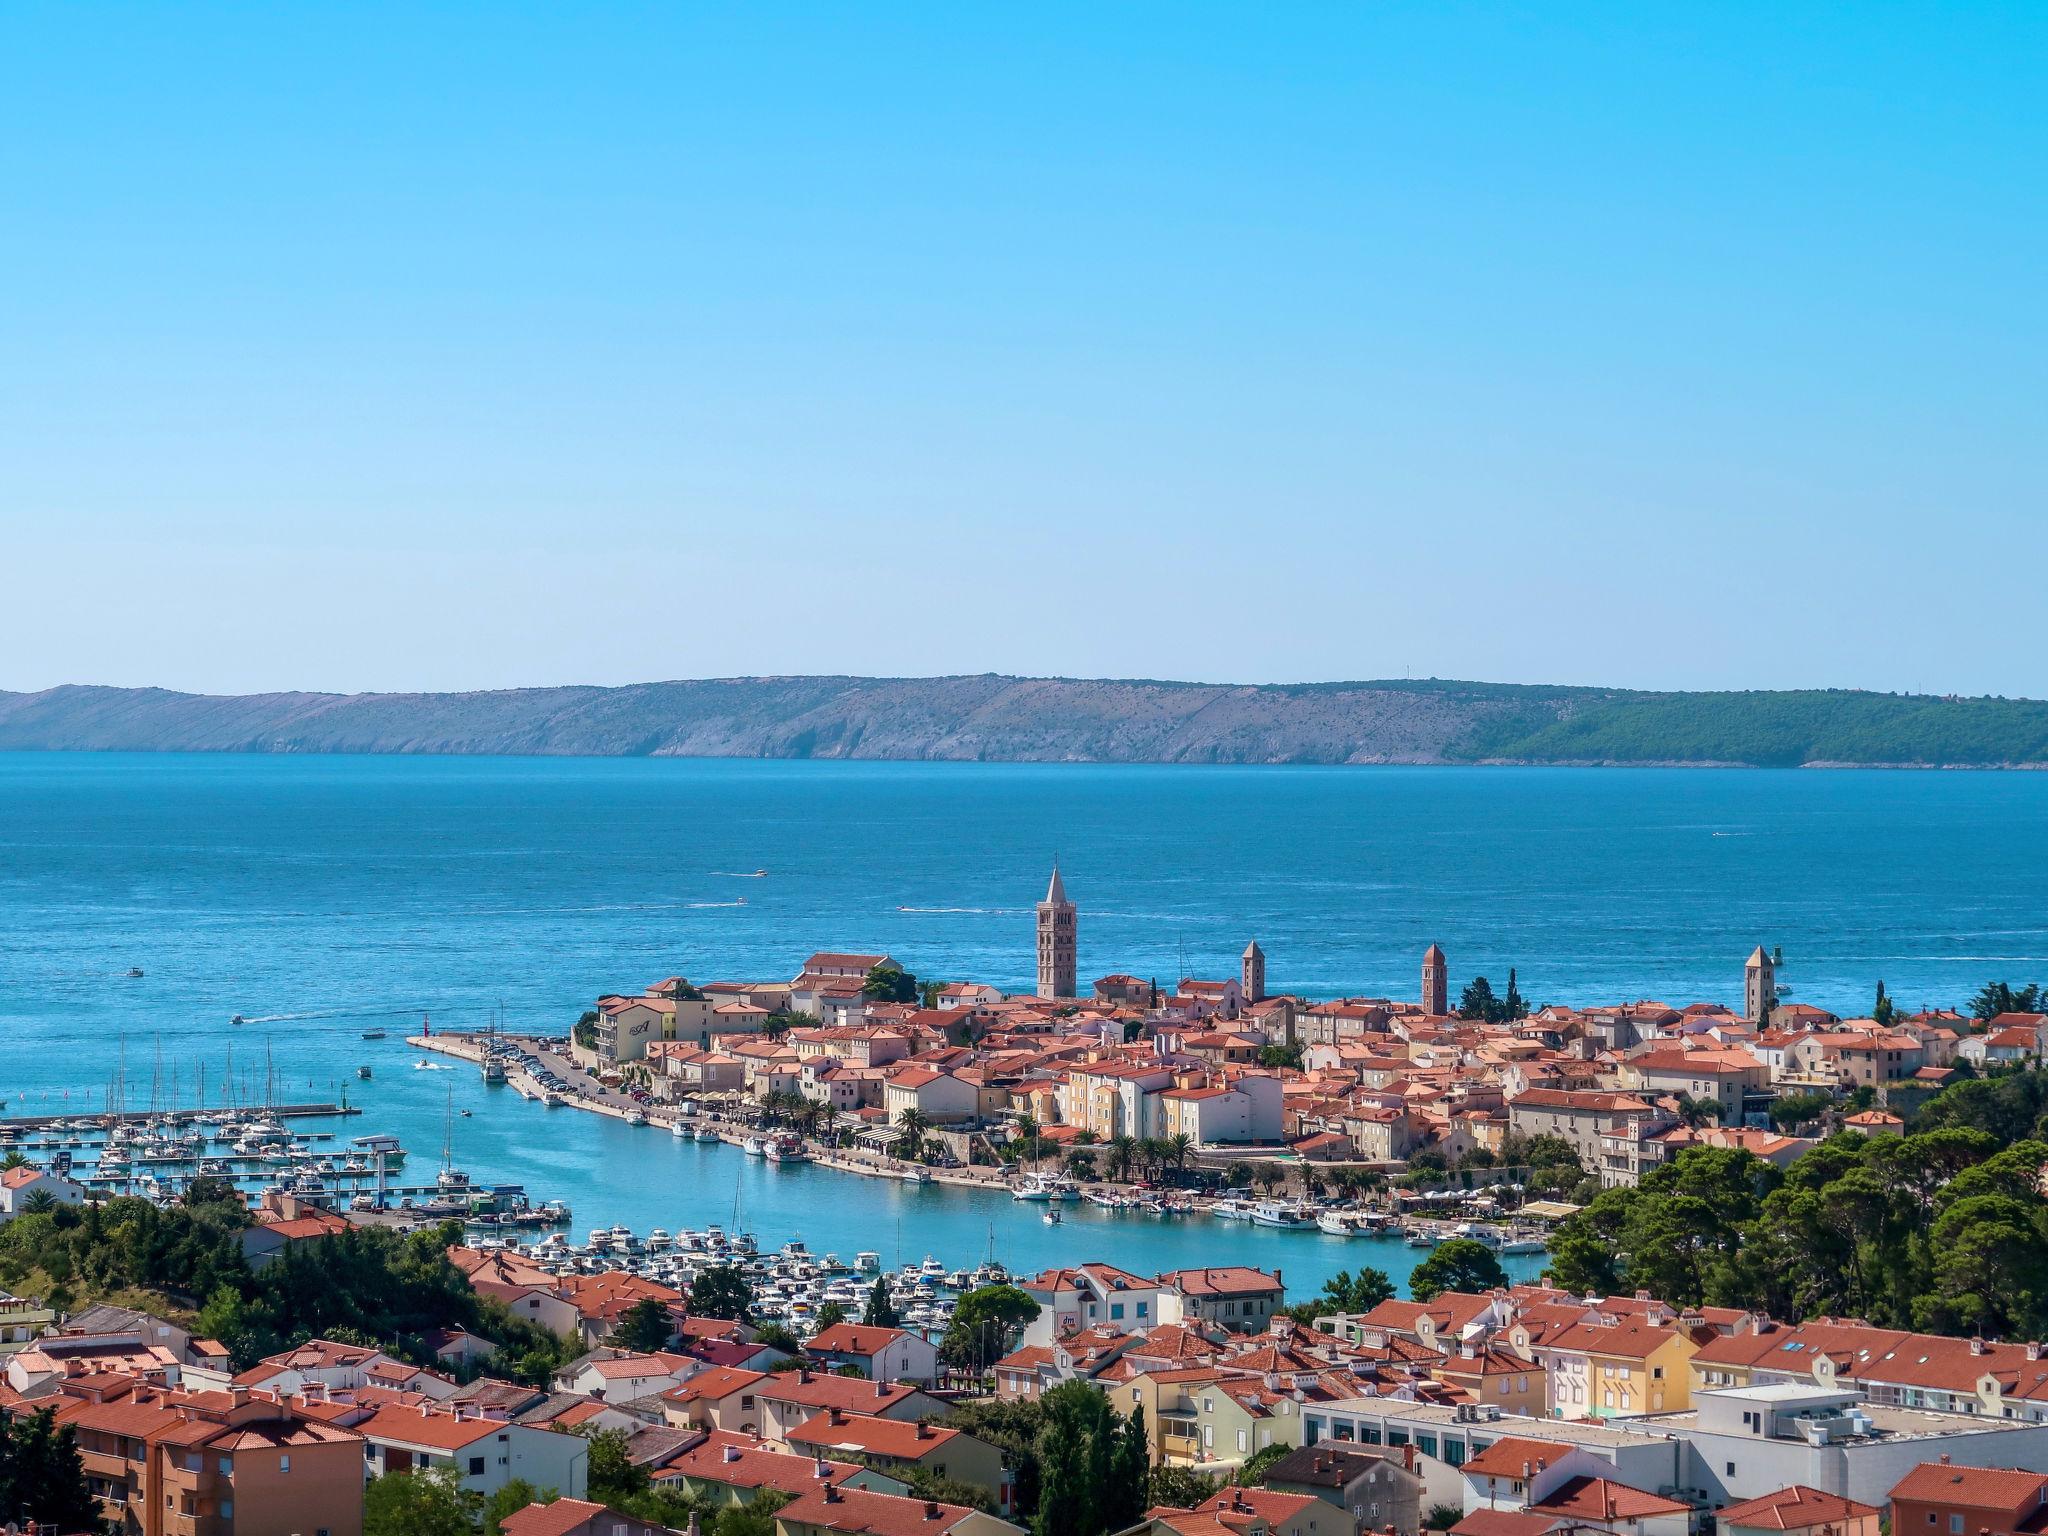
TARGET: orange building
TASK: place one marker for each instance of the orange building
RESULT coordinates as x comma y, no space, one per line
213,1463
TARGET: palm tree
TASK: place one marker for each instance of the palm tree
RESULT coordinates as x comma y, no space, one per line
1696,1112
1178,1149
39,1202
12,1161
1123,1151
911,1126
1027,1131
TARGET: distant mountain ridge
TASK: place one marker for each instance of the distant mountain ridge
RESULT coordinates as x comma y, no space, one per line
1019,719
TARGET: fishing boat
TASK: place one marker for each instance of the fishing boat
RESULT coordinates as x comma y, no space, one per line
1343,1224
1283,1215
134,970
373,1034
788,1149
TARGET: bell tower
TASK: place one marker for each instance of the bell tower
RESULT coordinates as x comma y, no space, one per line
1436,982
1252,974
1056,941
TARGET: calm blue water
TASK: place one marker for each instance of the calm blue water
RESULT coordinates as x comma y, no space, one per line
330,895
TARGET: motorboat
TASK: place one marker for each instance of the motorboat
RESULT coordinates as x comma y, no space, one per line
755,1146
1282,1214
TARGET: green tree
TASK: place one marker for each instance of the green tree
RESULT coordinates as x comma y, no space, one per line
431,1503
14,1159
1462,1264
1478,1002
756,1517
1255,1467
1346,1292
1088,1483
41,1475
645,1326
1794,1109
611,1475
1441,1517
1278,1057
585,1032
911,1126
880,1311
984,1323
830,1315
1996,997
889,984
722,1291
1180,1487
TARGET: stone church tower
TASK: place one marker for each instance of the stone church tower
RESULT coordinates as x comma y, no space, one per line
1056,941
1252,974
1759,987
1436,982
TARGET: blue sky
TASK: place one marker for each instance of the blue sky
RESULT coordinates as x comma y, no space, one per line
417,346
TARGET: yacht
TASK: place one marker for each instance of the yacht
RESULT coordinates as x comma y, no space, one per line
680,1130
755,1146
1044,1186
1230,1208
868,1263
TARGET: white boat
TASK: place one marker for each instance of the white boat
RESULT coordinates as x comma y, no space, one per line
1230,1209
755,1146
680,1130
1052,1216
1342,1224
868,1263
1282,1214
1044,1186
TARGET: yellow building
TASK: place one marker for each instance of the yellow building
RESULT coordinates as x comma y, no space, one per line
1614,1366
1208,1417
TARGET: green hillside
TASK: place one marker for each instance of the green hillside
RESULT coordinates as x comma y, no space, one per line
1775,729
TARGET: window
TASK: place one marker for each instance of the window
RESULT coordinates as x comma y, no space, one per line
1144,1307
227,1467
1955,1524
1731,1469
1243,1441
284,1463
1116,1309
476,1466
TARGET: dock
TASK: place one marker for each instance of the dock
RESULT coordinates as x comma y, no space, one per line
105,1119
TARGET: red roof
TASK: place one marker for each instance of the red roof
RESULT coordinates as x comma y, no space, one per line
1794,1509
855,1510
853,1339
2000,1488
1601,1498
1514,1457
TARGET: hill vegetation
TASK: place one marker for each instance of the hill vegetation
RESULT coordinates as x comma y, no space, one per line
990,718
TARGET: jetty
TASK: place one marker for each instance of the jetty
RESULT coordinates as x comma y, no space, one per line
106,1119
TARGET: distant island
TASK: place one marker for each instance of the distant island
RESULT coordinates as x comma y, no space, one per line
991,718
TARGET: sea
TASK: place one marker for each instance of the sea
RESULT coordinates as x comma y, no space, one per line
322,897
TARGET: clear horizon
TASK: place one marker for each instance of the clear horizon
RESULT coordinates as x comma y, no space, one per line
409,349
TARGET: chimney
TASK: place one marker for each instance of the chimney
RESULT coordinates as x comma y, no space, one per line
1976,1345
239,1395
1944,1458
931,1509
924,1430
835,1417
820,1469
803,1377
831,1493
